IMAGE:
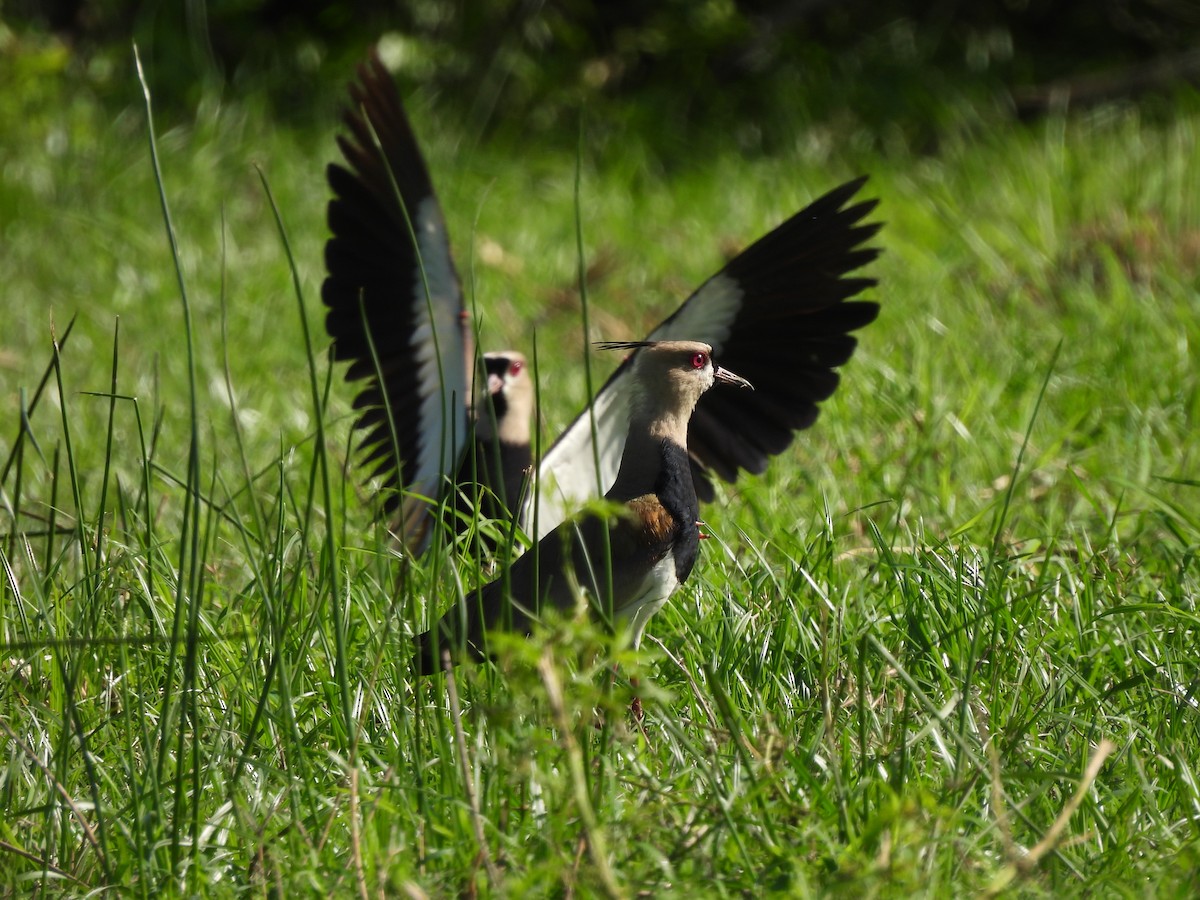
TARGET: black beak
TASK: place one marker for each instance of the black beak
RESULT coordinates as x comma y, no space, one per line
729,378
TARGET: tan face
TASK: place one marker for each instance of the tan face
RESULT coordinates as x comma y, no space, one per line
507,405
681,371
690,368
506,370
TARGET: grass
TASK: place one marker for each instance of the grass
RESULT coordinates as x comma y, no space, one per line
946,645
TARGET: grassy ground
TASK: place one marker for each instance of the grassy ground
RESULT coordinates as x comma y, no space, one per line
945,646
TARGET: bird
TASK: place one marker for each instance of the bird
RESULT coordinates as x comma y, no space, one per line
491,477
628,564
396,313
782,312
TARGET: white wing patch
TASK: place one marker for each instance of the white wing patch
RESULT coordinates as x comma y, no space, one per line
567,477
707,315
438,345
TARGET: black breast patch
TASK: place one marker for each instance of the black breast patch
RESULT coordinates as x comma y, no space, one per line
677,494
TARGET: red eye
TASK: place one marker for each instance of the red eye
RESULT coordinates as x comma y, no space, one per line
514,368
699,360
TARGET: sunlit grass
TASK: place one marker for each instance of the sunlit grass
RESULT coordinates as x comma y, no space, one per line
889,673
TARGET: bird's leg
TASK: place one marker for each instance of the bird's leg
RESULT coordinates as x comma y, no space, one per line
635,707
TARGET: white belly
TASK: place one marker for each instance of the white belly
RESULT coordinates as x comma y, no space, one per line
658,585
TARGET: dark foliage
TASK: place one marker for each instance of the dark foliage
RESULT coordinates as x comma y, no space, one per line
694,66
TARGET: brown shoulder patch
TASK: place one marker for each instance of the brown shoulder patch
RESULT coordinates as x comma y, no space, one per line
657,526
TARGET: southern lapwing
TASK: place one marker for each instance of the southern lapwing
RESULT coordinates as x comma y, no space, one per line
492,476
396,314
782,313
395,304
651,543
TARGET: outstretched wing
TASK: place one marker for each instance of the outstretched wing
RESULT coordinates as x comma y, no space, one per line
779,314
396,310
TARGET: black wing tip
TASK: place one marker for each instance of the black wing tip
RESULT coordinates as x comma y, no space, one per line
840,195
868,311
849,188
867,231
372,71
837,202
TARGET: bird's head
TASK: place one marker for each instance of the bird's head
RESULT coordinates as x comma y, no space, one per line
669,377
507,397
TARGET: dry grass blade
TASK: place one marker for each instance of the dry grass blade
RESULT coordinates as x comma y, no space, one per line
464,763
1023,864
